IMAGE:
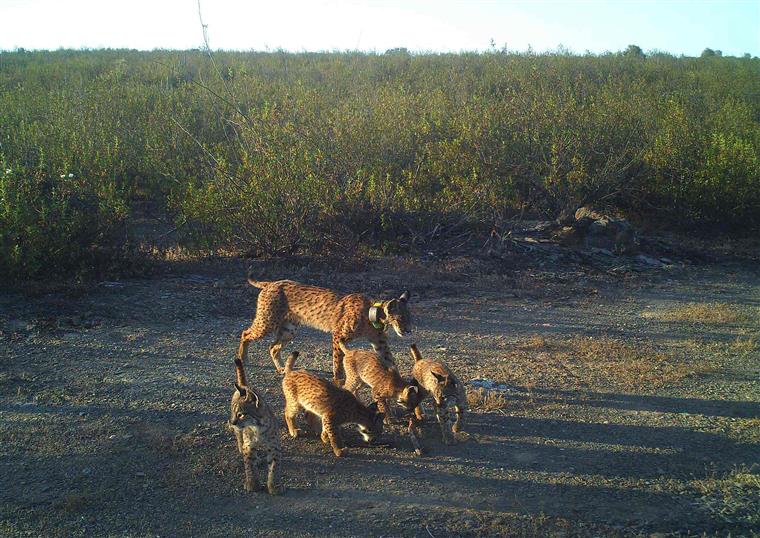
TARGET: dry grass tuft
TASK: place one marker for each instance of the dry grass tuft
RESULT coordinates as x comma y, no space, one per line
703,313
483,400
535,342
595,363
744,345
72,502
624,364
733,498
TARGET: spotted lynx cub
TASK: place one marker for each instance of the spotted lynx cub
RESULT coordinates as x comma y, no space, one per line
284,304
367,368
437,381
256,431
321,399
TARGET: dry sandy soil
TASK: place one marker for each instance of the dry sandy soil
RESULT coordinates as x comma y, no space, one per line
630,406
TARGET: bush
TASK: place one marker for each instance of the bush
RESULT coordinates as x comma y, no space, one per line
57,227
275,153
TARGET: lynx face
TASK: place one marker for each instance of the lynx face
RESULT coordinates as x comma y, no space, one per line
398,316
376,425
244,409
447,388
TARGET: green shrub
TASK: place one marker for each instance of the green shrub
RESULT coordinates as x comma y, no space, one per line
57,227
273,153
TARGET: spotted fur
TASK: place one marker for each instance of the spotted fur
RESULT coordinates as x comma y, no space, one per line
323,401
257,433
440,384
283,305
367,368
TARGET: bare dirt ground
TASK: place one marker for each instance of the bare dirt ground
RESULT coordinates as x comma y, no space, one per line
630,406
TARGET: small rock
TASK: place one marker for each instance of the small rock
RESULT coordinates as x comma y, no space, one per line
649,261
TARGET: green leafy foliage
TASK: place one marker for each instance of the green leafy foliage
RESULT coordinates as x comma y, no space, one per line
279,153
57,227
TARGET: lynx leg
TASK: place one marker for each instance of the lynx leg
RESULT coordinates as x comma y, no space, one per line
254,332
284,335
338,373
334,438
413,436
239,439
273,485
458,421
314,422
270,310
251,480
418,412
441,413
291,411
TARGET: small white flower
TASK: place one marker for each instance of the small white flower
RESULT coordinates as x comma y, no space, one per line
8,171
63,176
71,175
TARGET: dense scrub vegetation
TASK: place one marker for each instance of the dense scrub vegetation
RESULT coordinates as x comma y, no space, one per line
276,152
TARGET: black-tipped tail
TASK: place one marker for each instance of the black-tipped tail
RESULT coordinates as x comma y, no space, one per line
290,361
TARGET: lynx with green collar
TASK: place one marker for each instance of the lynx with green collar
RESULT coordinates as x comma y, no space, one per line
283,305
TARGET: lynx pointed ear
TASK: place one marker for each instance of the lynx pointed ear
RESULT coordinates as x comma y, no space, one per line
439,377
241,390
404,297
415,352
253,397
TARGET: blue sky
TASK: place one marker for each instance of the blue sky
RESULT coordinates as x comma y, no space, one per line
678,27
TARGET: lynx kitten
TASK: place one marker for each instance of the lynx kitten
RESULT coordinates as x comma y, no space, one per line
322,400
437,381
256,431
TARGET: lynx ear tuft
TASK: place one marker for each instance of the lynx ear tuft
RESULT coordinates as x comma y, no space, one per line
241,390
